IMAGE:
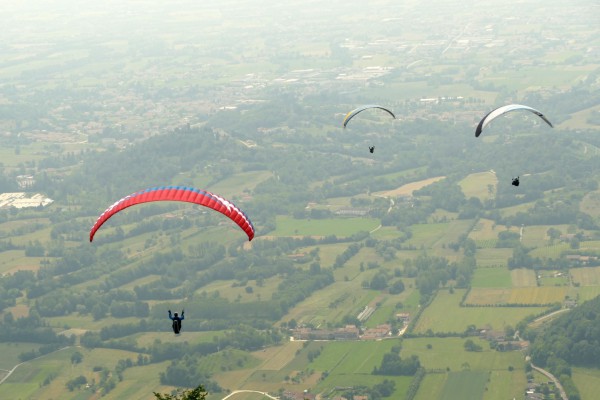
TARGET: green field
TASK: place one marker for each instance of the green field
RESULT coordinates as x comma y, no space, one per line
491,278
587,276
10,353
239,183
450,353
341,227
506,384
139,381
436,235
353,362
342,380
16,260
488,229
56,369
327,252
465,385
387,233
590,245
26,379
492,257
75,320
553,278
27,153
587,381
481,185
537,235
510,211
227,360
552,251
590,204
240,294
288,366
486,296
523,277
445,315
432,387
146,339
518,295
352,357
278,357
588,292
317,311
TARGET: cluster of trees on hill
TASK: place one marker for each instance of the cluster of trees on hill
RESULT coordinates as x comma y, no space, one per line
32,329
392,364
572,337
185,371
184,356
200,265
432,272
106,176
571,340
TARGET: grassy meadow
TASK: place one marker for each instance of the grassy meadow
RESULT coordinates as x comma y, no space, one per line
522,277
445,314
492,257
491,278
341,227
487,366
409,188
465,385
519,295
47,376
481,185
587,381
586,276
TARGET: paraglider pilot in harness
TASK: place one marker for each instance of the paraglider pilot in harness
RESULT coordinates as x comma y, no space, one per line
515,181
176,321
371,149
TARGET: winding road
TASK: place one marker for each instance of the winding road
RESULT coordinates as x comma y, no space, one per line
563,394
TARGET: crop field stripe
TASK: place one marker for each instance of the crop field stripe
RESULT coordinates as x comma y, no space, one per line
465,385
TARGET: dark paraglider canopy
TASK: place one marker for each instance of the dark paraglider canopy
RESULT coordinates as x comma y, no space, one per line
353,113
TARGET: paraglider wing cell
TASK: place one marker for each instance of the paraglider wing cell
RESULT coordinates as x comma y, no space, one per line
178,193
353,113
503,110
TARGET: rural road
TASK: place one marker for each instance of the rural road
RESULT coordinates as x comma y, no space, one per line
25,362
552,314
249,391
563,394
388,211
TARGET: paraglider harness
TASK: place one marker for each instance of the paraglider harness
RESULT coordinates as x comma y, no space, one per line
176,321
372,149
515,181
